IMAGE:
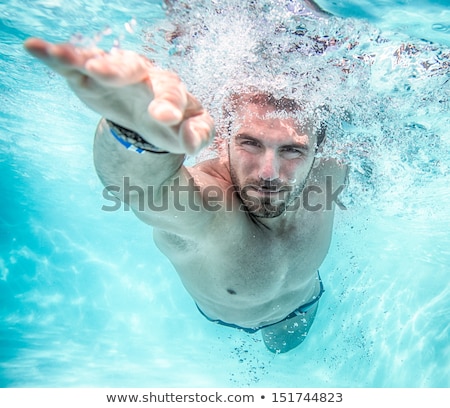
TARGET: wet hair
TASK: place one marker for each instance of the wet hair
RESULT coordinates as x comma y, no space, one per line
283,104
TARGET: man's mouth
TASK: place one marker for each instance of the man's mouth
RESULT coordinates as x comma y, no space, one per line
266,190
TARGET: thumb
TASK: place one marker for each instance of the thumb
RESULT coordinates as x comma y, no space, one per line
197,132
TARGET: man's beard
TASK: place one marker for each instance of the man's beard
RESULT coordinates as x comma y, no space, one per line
266,207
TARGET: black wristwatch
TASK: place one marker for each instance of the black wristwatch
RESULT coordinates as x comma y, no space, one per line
132,140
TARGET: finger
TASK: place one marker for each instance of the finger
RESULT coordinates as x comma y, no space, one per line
37,47
118,68
170,98
62,58
197,132
193,108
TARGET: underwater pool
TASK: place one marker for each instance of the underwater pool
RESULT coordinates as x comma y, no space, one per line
87,300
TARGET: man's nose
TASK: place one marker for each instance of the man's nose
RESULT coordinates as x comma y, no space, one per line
269,166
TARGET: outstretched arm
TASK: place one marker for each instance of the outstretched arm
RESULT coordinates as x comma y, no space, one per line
129,90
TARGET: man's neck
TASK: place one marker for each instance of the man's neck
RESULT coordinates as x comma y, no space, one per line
280,225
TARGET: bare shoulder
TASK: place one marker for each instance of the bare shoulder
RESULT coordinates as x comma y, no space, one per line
214,171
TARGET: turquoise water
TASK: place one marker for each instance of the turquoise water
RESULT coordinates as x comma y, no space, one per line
86,299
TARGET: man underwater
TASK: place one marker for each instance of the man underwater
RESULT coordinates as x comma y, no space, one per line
249,250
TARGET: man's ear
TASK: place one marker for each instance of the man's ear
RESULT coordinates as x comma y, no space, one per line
316,162
319,151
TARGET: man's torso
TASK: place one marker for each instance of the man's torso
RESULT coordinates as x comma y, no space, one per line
242,273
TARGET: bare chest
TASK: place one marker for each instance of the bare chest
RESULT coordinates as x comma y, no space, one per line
248,263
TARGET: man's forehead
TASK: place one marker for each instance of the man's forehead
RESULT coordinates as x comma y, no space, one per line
248,111
252,115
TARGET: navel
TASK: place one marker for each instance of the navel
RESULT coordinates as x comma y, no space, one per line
231,291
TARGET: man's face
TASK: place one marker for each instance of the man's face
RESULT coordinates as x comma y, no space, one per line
270,159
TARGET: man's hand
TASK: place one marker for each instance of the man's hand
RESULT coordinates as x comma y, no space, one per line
128,89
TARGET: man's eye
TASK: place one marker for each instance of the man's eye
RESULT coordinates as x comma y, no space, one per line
249,143
291,152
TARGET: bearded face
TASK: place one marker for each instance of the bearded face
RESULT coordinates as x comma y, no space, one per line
267,198
270,160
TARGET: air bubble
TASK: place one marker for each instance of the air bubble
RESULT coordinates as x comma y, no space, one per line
107,31
441,27
130,25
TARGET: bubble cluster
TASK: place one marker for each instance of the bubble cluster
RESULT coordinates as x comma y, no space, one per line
384,100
